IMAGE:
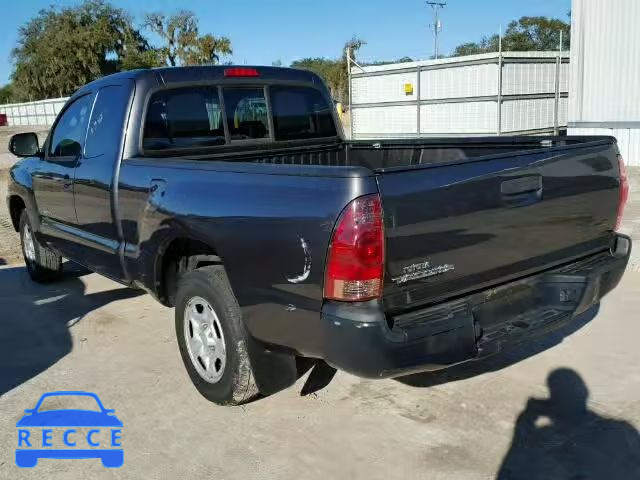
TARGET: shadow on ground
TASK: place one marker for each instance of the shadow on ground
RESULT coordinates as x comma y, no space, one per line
501,360
35,320
559,437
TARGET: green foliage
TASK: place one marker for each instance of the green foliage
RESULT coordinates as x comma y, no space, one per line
63,48
207,50
333,71
6,94
525,34
182,43
389,62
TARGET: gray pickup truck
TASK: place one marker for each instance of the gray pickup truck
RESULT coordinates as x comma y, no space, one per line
230,194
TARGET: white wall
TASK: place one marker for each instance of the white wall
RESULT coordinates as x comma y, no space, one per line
41,112
628,141
604,96
605,61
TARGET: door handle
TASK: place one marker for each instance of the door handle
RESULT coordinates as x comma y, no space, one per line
66,182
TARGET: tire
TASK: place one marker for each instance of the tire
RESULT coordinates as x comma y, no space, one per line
198,291
43,264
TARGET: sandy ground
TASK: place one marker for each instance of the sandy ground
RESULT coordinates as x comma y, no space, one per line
495,419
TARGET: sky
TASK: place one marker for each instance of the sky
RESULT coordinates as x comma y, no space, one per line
263,32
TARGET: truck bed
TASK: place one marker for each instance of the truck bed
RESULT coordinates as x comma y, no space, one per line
463,214
387,155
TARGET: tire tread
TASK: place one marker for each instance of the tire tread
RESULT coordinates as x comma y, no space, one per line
243,384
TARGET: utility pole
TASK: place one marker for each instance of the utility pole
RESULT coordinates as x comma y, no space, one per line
437,26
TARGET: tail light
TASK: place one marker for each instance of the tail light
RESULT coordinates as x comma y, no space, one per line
355,260
241,72
624,192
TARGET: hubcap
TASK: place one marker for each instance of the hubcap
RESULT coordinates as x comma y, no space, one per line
204,339
29,248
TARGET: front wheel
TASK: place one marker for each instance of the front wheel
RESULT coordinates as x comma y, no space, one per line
212,338
43,264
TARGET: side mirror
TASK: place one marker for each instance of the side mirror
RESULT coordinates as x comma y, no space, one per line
29,410
109,411
24,144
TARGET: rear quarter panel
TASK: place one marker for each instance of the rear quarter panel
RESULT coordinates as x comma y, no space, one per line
259,218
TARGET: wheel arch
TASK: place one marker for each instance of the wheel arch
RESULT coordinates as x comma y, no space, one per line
177,256
16,206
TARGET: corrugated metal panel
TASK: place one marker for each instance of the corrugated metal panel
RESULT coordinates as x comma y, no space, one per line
628,141
525,78
605,66
451,61
385,120
385,88
471,82
468,81
531,114
454,118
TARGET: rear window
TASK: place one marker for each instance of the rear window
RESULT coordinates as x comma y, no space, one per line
192,117
183,118
301,112
247,114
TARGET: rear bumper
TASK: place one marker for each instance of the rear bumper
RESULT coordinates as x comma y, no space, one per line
358,338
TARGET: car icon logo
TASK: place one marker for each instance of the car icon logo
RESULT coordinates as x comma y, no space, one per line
42,433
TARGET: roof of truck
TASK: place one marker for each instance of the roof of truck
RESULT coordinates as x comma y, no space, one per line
203,73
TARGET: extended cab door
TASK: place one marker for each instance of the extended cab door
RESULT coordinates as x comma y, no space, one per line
99,238
53,178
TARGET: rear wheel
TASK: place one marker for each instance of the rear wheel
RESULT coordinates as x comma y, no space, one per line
43,264
212,339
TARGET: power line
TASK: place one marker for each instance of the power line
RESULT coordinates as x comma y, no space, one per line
437,26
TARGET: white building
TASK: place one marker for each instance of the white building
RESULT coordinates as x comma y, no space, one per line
604,88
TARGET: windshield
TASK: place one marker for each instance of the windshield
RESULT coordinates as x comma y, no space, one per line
69,402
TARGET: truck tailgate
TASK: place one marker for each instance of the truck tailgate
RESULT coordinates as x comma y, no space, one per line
454,227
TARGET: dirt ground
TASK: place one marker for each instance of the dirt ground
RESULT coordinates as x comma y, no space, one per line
552,409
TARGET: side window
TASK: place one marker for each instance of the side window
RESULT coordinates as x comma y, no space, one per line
247,114
68,135
182,118
107,119
301,112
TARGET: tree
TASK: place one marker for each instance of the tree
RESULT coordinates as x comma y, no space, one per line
207,50
61,49
182,43
389,62
333,72
525,34
6,93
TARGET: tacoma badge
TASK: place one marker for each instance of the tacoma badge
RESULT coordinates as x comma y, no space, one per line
421,270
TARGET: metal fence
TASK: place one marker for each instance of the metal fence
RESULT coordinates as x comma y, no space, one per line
490,94
40,112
